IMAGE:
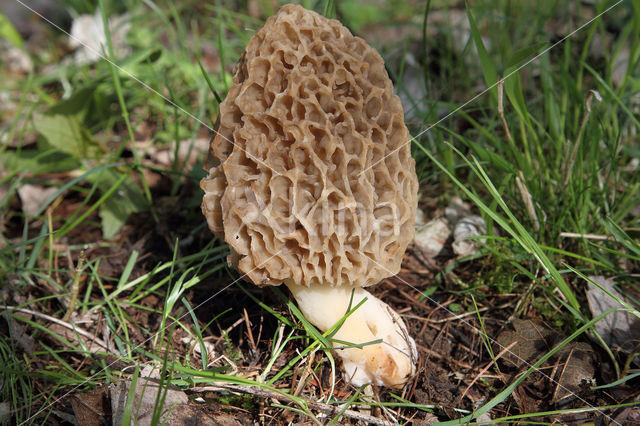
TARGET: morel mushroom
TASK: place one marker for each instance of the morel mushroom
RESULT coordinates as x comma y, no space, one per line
312,183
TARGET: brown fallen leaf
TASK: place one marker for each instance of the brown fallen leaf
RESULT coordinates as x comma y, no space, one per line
576,366
628,416
532,341
189,153
146,394
92,408
571,366
18,333
34,196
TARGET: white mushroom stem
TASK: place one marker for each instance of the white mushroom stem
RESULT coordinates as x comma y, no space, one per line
390,363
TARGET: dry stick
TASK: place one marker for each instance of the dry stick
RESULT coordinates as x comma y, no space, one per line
323,394
329,410
260,328
305,374
448,319
574,153
93,338
248,323
521,302
586,236
501,110
484,370
75,286
564,367
228,329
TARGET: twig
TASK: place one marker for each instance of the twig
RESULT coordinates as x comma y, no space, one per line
75,285
92,338
305,374
443,320
583,124
228,329
558,384
501,110
248,323
586,236
484,370
329,410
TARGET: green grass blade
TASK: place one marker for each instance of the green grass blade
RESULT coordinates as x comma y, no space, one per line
127,413
487,65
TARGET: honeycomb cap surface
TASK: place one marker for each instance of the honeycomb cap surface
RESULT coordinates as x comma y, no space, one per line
319,184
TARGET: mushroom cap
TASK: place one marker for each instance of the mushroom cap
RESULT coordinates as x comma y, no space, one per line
311,178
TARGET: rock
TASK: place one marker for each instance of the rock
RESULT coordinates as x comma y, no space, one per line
88,37
621,329
431,237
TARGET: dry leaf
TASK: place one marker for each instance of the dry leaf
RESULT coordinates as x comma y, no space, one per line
146,395
18,333
189,151
92,407
574,364
34,196
533,340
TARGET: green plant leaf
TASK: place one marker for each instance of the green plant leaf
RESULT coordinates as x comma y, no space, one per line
617,382
67,134
488,67
209,82
484,154
39,161
126,199
521,55
76,104
8,31
112,220
356,13
513,87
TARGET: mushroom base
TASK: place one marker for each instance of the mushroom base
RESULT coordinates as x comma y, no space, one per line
390,363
